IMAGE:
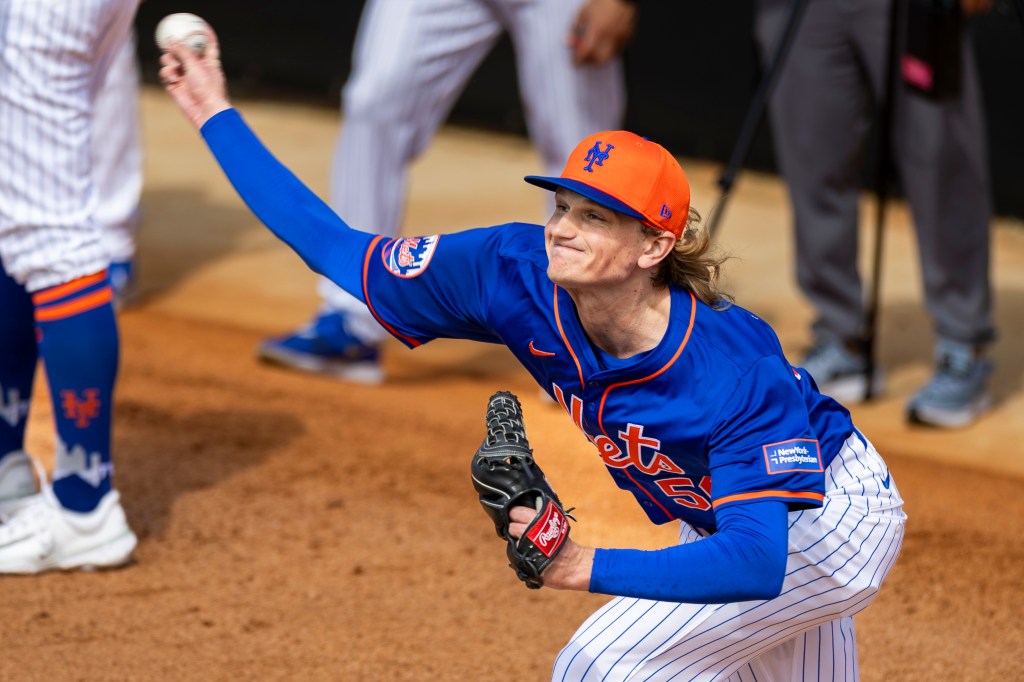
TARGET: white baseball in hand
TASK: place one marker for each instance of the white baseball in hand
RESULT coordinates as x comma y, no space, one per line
185,28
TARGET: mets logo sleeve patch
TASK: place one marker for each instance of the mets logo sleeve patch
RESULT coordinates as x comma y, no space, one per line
443,286
409,257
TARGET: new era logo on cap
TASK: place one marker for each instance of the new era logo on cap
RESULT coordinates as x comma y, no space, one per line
628,174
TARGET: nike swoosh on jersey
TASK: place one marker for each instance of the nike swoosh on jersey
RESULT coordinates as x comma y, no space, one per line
540,353
888,479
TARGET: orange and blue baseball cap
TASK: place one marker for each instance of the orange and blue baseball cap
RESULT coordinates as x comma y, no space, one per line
629,174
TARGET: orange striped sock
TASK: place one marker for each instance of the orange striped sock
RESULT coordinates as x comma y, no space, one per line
78,343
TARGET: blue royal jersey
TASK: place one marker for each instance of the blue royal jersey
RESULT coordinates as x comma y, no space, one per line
713,415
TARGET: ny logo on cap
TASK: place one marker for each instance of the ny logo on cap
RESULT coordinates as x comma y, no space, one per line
595,155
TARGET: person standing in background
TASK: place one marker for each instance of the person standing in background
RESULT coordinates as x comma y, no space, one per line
55,291
411,61
820,114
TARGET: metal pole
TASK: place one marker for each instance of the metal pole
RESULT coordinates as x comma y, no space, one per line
883,123
756,111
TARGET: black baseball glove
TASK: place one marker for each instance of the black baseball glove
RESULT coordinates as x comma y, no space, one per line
505,476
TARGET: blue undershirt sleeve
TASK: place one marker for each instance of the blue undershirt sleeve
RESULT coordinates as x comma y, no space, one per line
285,205
745,560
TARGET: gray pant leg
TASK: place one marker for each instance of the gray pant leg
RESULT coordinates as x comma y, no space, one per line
942,159
820,112
411,62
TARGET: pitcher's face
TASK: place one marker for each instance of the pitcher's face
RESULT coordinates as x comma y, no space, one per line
590,245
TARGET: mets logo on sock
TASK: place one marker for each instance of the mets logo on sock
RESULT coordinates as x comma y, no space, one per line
595,155
409,257
82,410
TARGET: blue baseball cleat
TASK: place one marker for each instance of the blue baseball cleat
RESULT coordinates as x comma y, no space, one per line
325,346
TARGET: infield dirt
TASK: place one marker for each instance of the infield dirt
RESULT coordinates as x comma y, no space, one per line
292,527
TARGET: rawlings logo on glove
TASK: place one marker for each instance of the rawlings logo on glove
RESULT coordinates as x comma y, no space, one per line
505,476
550,530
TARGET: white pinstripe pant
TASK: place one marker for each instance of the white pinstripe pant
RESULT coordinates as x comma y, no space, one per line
838,557
53,56
411,62
117,154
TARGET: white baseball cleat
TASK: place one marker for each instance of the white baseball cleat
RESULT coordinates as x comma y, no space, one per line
17,480
40,535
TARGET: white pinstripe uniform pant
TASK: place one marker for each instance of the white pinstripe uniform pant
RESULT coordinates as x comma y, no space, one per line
412,60
838,557
117,154
53,56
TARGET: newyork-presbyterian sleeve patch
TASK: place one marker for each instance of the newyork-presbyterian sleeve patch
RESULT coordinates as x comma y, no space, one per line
799,454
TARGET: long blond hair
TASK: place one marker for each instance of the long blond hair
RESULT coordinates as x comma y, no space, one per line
693,265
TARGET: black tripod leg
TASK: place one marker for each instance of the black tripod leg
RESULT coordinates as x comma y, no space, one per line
883,169
756,110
